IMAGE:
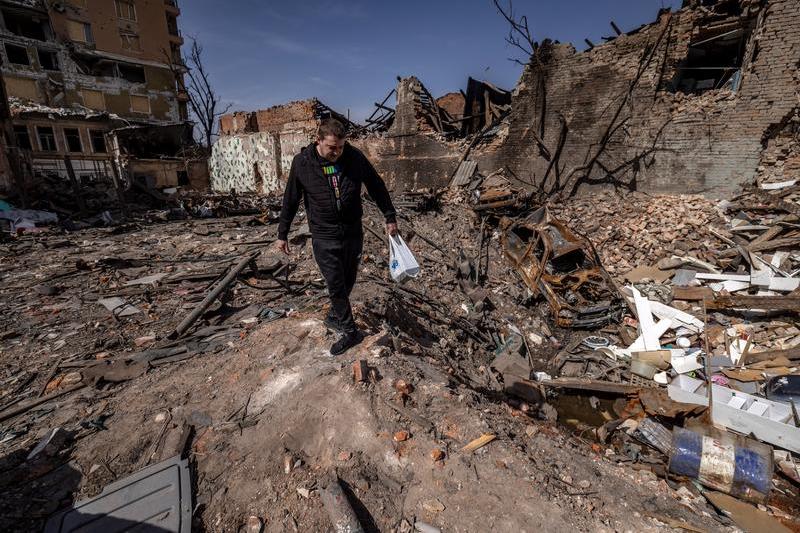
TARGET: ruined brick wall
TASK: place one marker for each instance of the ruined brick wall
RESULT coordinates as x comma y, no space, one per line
664,141
255,150
237,122
780,159
411,155
453,103
291,116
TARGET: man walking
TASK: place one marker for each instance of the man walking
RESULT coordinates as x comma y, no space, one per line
327,175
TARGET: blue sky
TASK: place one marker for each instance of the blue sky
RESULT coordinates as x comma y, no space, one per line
348,52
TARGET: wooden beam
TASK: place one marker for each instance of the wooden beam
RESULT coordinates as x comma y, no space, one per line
772,303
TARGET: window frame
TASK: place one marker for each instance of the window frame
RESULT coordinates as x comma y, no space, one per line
102,136
52,135
67,144
83,91
7,45
40,51
127,37
17,127
149,105
131,8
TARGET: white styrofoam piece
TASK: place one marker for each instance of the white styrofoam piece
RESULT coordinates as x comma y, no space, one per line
778,258
737,402
758,408
661,327
779,185
683,364
775,426
677,316
723,277
731,285
736,349
783,284
646,325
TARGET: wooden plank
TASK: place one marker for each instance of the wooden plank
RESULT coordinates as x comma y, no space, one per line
591,385
691,293
792,354
735,301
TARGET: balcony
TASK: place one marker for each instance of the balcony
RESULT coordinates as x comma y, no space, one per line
172,7
175,35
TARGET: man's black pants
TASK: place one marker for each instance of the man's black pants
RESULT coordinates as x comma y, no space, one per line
338,261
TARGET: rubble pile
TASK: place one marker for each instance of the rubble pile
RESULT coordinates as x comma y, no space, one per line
636,229
577,360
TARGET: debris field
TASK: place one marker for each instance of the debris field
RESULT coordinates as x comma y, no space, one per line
473,391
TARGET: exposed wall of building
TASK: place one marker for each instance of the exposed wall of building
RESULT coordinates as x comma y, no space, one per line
411,154
103,55
163,173
664,138
670,110
255,149
246,163
50,141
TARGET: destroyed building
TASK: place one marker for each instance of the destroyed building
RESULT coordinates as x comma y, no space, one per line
701,100
255,149
75,70
622,360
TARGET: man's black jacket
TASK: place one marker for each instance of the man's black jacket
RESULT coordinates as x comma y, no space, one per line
307,181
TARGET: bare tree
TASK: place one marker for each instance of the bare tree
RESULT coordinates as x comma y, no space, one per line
519,34
204,102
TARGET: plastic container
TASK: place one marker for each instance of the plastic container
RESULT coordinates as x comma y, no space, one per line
742,469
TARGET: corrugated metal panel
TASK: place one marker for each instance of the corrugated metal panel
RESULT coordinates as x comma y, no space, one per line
464,173
157,498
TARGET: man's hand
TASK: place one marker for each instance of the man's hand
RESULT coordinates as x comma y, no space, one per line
282,246
391,228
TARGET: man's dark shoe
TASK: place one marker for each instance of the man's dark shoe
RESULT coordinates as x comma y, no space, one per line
332,323
347,341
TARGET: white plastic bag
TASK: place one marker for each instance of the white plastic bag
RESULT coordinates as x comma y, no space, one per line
402,264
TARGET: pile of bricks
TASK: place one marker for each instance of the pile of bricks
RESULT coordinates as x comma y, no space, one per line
639,229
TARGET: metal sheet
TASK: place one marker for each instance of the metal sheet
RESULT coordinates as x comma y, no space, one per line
464,173
156,499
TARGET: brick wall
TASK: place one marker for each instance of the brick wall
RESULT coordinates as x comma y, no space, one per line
669,142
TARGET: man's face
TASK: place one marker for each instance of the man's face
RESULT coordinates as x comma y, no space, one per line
330,147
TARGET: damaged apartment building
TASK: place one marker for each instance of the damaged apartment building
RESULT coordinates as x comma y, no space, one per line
701,100
78,71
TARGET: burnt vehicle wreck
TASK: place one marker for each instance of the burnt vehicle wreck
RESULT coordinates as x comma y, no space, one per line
564,268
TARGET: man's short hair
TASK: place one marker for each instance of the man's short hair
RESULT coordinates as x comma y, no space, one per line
331,126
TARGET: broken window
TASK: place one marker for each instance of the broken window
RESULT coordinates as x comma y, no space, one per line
130,41
79,31
125,9
47,139
17,55
23,137
714,59
98,140
132,73
26,25
72,136
140,104
48,59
